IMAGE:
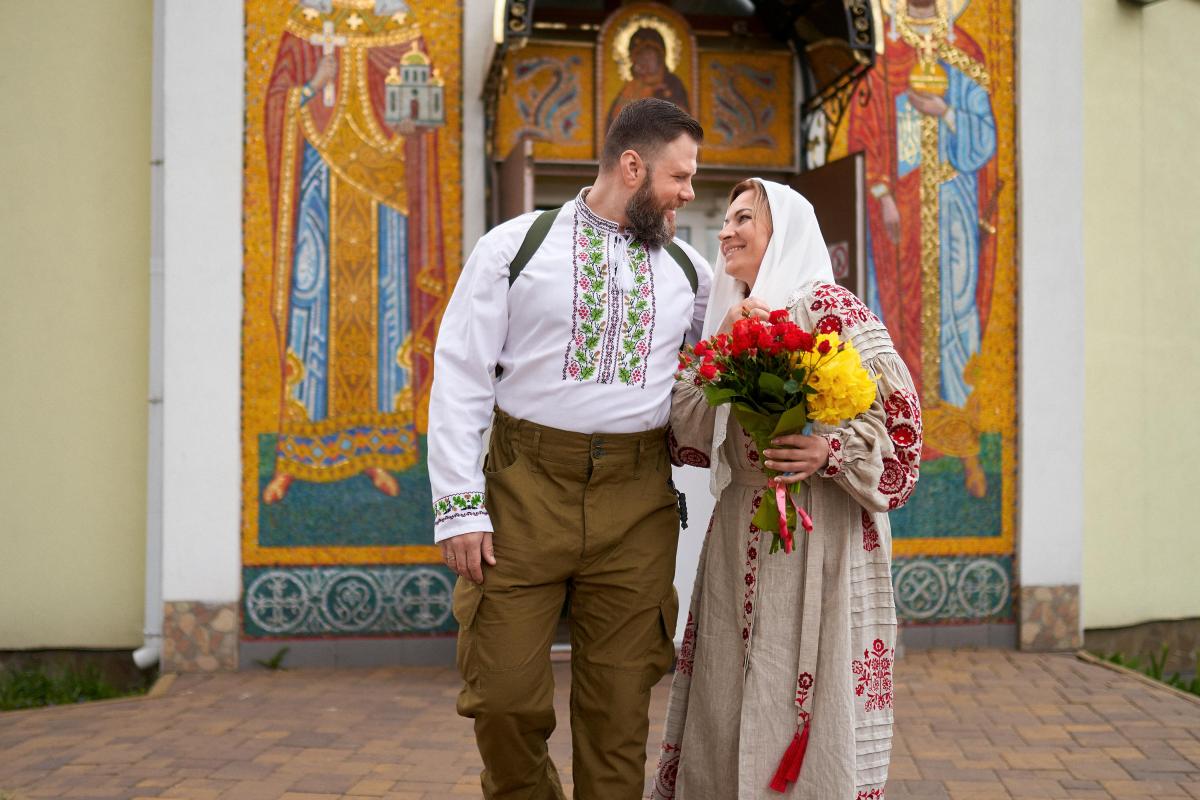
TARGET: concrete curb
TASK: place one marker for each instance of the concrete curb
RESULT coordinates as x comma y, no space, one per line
1083,655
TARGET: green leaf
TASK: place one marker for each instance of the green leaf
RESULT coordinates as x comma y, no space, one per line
757,424
275,662
716,396
792,421
791,386
772,384
767,517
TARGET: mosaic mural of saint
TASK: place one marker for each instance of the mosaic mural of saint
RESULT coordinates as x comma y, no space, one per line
651,76
351,112
924,120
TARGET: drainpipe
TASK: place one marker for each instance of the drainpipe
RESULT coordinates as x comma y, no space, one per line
148,654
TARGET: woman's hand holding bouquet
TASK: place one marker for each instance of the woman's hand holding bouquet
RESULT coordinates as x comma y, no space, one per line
777,377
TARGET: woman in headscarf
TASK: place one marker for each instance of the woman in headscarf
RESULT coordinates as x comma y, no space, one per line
784,681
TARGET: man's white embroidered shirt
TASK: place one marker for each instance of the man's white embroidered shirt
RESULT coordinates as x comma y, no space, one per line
587,340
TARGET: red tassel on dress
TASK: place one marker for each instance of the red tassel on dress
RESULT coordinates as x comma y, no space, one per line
789,766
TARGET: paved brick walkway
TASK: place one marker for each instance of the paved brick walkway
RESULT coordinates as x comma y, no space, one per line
970,724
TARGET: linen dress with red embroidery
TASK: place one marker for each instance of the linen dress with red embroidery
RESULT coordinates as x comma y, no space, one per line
777,642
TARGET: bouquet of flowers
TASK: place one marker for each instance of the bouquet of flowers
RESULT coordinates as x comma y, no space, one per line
777,377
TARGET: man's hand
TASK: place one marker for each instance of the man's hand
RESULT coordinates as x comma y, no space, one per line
798,454
466,553
931,105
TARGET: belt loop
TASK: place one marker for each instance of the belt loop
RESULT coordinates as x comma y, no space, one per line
536,465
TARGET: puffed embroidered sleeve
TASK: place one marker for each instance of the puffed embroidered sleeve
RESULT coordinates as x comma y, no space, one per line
876,456
691,432
469,343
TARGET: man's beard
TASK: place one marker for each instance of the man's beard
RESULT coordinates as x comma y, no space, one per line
647,219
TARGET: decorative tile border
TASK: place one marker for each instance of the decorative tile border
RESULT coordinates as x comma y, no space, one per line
199,637
943,589
347,601
1050,619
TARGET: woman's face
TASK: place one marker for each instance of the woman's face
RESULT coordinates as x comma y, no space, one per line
744,238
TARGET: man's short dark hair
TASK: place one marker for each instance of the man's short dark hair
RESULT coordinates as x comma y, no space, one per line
644,126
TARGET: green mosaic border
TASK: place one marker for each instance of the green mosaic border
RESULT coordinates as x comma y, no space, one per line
954,589
352,601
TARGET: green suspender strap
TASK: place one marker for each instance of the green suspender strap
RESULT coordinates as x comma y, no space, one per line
541,226
533,240
685,263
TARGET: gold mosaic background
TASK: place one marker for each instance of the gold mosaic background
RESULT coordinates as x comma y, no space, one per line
746,102
993,371
548,94
439,23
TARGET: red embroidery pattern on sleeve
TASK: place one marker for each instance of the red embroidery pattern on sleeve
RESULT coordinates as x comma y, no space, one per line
668,770
903,422
685,456
874,674
687,648
834,467
870,532
874,794
840,309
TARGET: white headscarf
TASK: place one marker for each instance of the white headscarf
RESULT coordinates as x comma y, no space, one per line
796,257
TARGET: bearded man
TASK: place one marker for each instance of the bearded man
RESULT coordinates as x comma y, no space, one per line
563,332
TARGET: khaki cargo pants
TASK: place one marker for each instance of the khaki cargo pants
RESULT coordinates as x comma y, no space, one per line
592,519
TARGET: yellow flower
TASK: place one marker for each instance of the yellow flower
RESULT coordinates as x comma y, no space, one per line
844,387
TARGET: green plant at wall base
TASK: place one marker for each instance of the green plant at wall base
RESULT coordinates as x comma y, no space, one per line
1156,669
274,662
35,687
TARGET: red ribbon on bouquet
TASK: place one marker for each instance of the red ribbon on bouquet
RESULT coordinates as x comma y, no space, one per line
782,497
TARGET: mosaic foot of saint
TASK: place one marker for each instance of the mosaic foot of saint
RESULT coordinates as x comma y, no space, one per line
976,479
384,481
277,489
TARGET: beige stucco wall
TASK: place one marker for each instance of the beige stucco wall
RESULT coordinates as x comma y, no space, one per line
74,224
1142,253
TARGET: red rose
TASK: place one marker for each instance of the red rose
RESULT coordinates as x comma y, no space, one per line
823,348
708,371
701,348
779,315
792,340
764,340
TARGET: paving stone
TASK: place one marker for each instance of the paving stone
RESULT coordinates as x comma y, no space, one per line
970,725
